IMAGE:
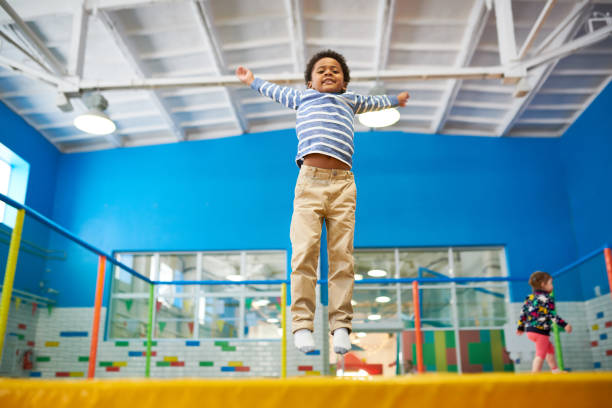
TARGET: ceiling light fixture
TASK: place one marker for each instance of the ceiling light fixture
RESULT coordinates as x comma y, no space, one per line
235,278
95,121
374,317
383,299
382,118
377,273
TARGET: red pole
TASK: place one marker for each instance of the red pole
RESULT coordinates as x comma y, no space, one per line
93,350
417,327
608,256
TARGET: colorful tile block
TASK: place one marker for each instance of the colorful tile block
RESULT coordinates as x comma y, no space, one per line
177,364
206,363
52,344
83,359
603,336
73,334
312,373
305,368
153,343
599,315
136,353
112,369
122,344
228,368
609,324
314,353
43,359
170,358
243,369
35,374
21,326
594,343
595,327
119,363
192,343
163,364
234,363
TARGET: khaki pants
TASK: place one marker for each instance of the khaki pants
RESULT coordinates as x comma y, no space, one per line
330,195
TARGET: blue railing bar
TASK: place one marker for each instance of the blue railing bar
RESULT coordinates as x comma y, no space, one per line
579,261
62,231
223,282
441,280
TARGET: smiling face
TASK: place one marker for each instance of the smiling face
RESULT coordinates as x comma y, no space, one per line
327,76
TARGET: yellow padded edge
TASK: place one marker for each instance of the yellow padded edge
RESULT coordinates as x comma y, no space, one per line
583,390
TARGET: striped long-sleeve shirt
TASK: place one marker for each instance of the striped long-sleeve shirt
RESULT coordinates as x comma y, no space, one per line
324,122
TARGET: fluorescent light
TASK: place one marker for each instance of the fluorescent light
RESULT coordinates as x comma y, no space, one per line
353,303
94,122
361,334
374,317
235,278
260,302
358,276
383,299
272,320
383,118
377,273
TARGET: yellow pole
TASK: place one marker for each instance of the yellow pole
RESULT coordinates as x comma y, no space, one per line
9,275
284,330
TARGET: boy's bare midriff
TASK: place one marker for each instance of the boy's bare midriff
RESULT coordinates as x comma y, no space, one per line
323,161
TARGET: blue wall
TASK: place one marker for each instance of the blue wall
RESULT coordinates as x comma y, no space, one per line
236,193
586,152
43,158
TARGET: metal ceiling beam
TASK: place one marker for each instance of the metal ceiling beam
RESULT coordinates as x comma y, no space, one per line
505,31
538,76
569,48
77,46
295,23
127,49
477,21
33,39
209,34
231,80
536,28
576,11
384,28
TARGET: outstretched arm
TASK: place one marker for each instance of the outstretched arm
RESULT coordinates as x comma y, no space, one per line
379,102
284,95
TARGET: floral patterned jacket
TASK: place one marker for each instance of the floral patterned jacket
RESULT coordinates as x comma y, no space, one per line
538,313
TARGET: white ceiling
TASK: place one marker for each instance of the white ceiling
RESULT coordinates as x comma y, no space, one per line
138,52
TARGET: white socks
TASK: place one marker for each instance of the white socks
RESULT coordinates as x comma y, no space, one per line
342,342
303,340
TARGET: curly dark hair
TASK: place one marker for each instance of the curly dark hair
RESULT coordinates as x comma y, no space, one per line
327,54
538,279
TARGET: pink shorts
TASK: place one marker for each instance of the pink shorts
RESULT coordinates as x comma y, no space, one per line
543,344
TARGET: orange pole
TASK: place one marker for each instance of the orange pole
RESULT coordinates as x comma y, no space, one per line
608,256
93,350
417,327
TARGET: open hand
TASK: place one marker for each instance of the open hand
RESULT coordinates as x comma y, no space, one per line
568,328
245,75
403,97
519,333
